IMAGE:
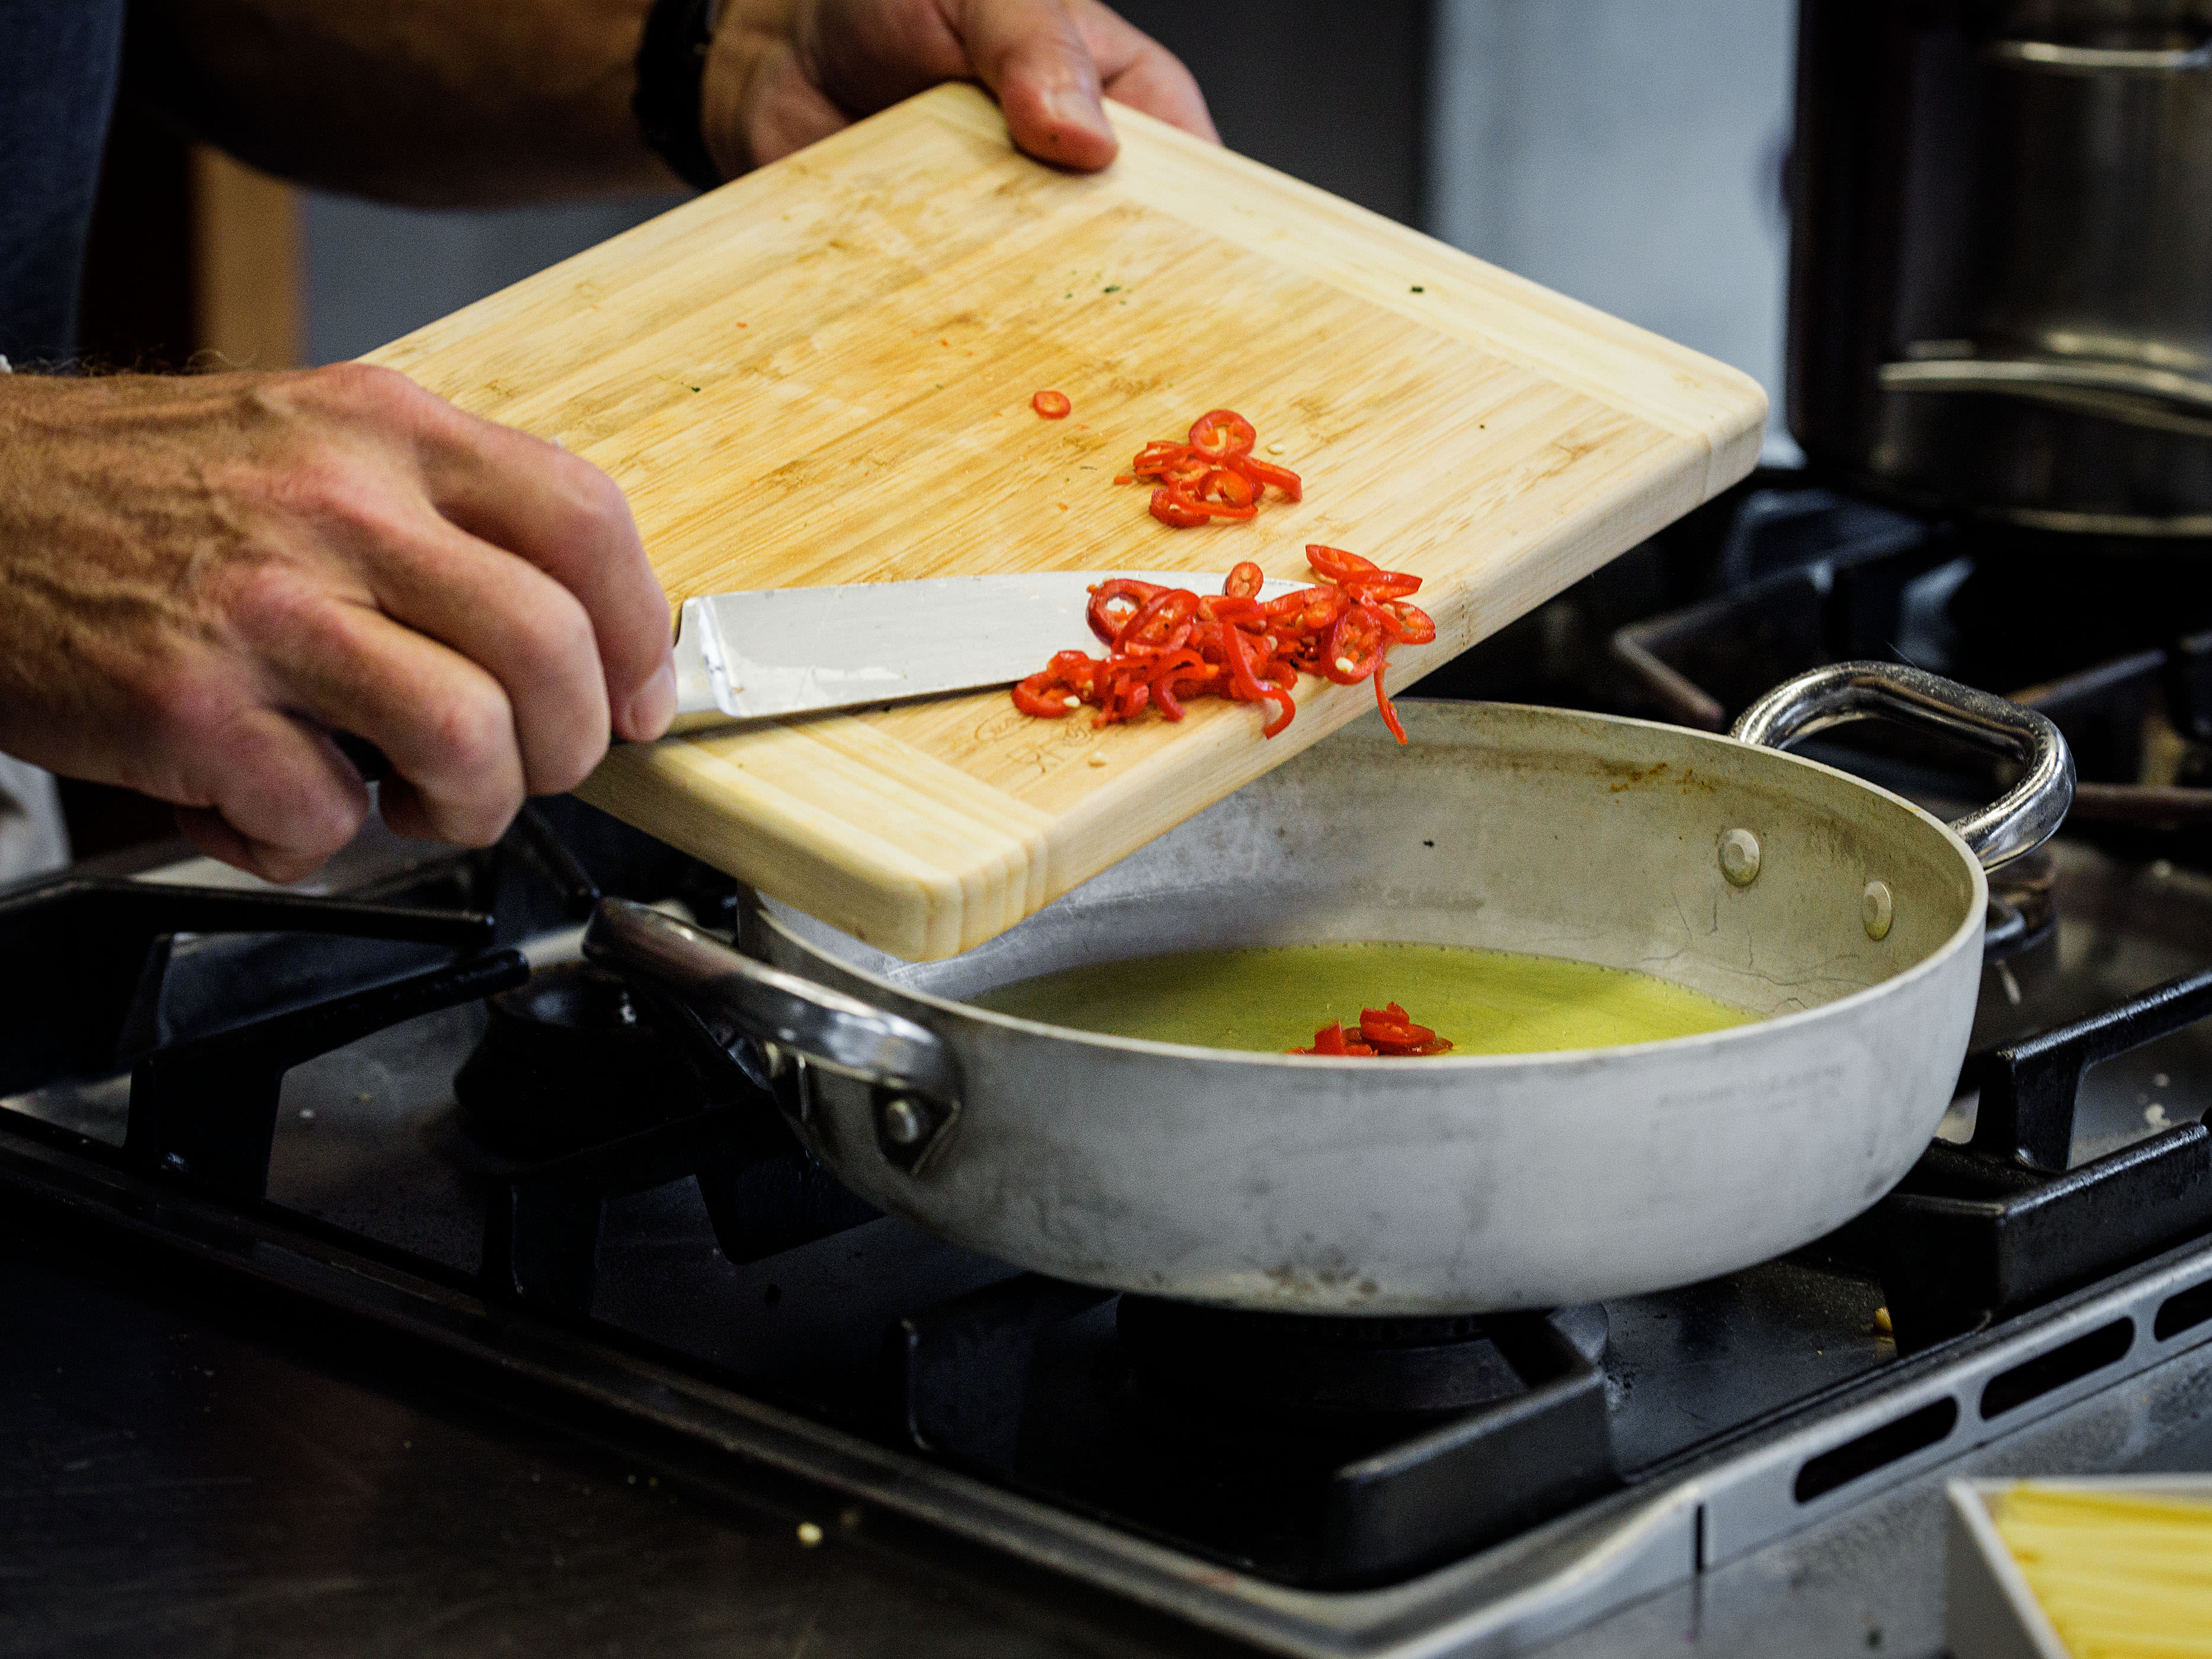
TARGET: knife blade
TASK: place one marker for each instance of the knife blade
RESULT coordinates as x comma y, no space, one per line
802,650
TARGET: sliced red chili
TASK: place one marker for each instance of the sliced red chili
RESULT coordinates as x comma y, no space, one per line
1375,587
1076,671
1409,625
1330,1039
1221,432
1172,667
1244,613
1388,1033
1162,625
1309,607
1167,644
1121,591
1126,694
1355,645
1172,507
1053,406
1394,1025
1389,712
1215,471
1262,472
1039,694
1335,564
1221,484
1240,676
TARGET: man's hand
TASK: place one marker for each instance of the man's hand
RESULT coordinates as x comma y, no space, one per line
783,73
201,577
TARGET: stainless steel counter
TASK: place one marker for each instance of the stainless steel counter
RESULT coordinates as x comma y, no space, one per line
185,1479
1871,1579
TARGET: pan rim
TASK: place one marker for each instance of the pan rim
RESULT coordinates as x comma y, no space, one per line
1766,1029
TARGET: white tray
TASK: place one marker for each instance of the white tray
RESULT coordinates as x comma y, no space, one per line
1993,1614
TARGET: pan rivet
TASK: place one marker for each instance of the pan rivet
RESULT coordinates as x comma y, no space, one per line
904,1124
1876,908
1739,857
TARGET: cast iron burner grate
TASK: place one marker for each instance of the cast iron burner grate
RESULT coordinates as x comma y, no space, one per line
1327,1452
1324,1453
1808,580
96,983
1976,1232
1317,1451
566,1061
573,1069
1306,1367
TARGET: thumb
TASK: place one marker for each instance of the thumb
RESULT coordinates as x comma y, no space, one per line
1033,58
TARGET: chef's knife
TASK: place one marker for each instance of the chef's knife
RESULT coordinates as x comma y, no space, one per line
800,650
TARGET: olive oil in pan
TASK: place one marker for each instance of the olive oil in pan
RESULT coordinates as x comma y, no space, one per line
1270,998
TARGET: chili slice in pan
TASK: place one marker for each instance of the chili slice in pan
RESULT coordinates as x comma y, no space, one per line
1388,1031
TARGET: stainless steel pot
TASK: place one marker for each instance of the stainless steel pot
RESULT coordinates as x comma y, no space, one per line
2000,295
1850,918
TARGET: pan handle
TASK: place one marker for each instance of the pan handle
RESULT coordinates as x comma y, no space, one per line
2020,823
2054,56
838,1032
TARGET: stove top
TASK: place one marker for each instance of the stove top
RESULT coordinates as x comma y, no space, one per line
402,1096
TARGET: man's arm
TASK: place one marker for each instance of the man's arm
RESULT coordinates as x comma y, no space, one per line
202,577
439,102
475,102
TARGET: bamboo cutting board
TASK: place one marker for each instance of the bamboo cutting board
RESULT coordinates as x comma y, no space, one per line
821,374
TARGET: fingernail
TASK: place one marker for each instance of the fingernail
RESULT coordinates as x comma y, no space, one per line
653,706
1071,108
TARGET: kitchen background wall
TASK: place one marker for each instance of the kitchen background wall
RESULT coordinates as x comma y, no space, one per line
1626,152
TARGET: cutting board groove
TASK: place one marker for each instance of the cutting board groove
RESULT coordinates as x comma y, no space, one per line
821,374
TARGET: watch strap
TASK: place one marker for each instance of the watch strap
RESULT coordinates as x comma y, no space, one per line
671,61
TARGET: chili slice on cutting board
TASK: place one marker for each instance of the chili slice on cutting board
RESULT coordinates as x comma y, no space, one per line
1213,475
1165,645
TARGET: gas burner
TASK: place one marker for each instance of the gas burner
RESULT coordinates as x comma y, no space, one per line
1802,579
1310,1450
567,1061
2037,607
2023,907
1312,1366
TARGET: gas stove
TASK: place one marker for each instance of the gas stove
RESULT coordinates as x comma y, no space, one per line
397,1116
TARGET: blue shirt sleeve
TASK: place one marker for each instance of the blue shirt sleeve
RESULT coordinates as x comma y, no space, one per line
58,61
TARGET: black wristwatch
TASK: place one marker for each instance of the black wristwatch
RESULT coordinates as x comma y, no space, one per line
671,59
